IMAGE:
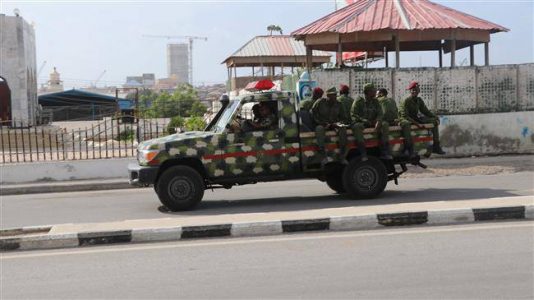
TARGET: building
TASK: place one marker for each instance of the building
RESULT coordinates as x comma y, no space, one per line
178,62
54,84
18,70
147,81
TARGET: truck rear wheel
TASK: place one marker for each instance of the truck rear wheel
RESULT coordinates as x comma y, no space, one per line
334,181
365,178
180,188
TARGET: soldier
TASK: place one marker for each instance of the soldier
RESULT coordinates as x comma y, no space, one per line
414,111
305,110
391,115
346,102
327,114
308,103
367,113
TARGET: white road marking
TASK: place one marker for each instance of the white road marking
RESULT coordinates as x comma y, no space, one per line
284,238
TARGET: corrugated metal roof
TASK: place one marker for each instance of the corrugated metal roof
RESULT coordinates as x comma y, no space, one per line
276,45
371,15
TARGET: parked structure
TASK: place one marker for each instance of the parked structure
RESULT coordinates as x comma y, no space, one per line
398,25
18,69
266,53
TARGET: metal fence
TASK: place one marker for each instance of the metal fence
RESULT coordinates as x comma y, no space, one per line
113,137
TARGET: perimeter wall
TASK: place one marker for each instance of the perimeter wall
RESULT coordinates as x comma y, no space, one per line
484,110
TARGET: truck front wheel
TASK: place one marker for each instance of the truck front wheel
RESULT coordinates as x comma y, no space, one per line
180,188
365,178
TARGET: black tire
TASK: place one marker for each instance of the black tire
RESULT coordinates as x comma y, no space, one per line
180,188
366,179
335,181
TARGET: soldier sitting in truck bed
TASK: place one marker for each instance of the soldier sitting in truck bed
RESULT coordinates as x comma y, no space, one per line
414,111
327,113
367,113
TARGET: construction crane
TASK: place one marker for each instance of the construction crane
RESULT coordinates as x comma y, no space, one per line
98,78
41,68
190,39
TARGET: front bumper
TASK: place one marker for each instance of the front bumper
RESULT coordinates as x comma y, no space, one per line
142,175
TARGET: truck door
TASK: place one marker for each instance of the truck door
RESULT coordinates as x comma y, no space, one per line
262,152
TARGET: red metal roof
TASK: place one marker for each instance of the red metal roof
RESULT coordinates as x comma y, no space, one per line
275,45
371,15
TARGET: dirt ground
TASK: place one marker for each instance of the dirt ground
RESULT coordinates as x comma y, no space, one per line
472,166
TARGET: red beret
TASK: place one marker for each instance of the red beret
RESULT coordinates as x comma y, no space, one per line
412,85
343,88
318,91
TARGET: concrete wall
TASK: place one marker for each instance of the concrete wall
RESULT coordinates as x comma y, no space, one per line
64,170
461,90
18,66
488,134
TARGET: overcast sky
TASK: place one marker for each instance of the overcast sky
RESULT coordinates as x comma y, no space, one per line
83,38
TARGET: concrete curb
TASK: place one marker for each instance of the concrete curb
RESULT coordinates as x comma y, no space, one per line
62,187
31,238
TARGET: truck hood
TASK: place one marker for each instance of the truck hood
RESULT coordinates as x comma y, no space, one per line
174,139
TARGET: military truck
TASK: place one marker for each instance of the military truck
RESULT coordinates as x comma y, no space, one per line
182,166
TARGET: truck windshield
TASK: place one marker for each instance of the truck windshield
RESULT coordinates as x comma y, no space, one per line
226,116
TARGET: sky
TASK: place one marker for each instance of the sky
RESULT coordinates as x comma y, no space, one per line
84,38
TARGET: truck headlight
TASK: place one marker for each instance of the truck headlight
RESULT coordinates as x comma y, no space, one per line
146,156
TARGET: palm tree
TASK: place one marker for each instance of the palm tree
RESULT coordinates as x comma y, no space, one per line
272,28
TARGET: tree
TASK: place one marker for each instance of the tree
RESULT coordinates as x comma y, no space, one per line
178,103
272,28
198,109
195,124
175,123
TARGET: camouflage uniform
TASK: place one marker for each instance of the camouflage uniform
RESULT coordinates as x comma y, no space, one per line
409,113
325,113
346,104
366,114
391,116
307,104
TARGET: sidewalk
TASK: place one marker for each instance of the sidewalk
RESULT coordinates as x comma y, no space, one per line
64,186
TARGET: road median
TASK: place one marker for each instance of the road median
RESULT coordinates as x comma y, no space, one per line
244,225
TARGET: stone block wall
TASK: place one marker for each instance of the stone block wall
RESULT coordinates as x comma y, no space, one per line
462,90
18,66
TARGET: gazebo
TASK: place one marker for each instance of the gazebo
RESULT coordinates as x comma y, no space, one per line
269,52
397,25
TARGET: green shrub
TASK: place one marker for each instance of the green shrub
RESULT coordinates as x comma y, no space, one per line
127,134
174,123
195,124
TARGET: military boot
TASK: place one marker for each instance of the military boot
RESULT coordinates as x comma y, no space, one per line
385,153
363,151
408,151
436,148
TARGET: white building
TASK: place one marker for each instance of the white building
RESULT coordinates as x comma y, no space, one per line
18,67
178,62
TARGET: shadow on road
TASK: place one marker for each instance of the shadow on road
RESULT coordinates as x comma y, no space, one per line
284,204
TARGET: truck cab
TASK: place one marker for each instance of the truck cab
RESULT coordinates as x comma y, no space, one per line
229,153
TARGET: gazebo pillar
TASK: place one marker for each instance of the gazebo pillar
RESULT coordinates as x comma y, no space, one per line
472,55
440,55
486,54
253,74
386,57
453,53
397,51
309,59
339,54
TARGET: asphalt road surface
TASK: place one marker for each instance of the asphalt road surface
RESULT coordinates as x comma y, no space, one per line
483,261
118,205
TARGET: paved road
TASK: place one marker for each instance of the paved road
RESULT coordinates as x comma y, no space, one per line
483,261
118,205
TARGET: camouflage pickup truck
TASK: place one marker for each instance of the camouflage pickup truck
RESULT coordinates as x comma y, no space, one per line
182,166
